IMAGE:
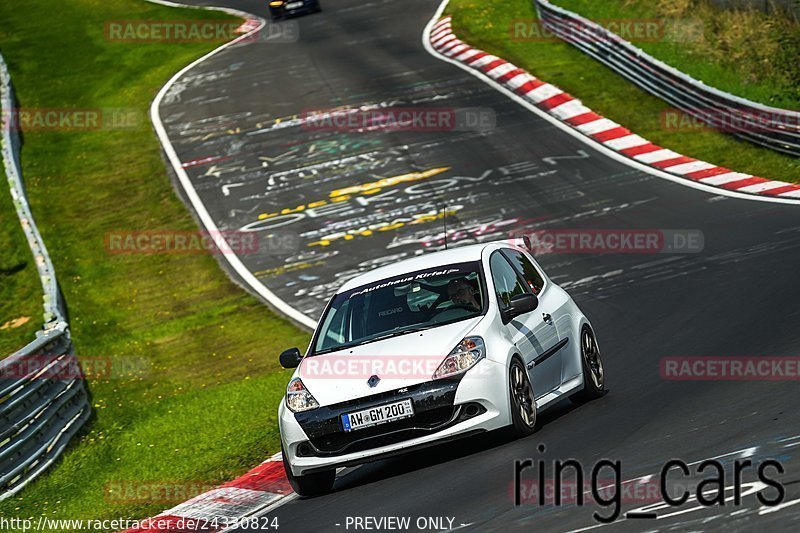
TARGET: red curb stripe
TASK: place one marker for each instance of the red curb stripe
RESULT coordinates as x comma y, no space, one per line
781,190
440,25
674,161
446,46
641,149
455,44
583,118
266,477
556,100
444,38
528,86
463,52
510,74
489,66
475,57
707,173
613,133
451,45
743,183
452,51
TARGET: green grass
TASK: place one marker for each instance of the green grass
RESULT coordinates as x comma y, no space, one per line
745,52
204,410
487,25
21,312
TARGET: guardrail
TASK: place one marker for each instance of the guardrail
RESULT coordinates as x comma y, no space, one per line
43,399
775,128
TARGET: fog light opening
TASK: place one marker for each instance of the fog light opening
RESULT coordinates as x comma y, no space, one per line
304,450
471,410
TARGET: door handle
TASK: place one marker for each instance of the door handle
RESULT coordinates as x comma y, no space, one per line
547,318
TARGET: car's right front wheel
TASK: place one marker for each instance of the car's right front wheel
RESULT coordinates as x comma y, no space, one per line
594,378
523,403
309,484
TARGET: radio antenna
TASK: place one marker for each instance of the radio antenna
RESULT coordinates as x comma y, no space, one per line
444,221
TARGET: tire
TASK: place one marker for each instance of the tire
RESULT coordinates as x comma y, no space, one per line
309,484
594,382
522,400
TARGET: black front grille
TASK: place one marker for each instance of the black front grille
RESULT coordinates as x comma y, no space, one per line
384,434
433,411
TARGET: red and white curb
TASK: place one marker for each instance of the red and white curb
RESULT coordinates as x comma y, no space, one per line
226,506
571,111
248,26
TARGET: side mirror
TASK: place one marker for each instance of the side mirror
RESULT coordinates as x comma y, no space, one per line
291,358
526,240
519,305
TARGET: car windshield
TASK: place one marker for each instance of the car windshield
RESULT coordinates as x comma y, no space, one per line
412,302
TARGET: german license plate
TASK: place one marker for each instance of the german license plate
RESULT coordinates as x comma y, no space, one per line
377,415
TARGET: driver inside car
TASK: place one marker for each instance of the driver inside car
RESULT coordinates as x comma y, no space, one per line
462,293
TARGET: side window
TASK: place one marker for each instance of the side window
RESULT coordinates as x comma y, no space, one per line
506,281
525,267
336,328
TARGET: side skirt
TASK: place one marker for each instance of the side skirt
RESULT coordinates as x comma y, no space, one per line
568,387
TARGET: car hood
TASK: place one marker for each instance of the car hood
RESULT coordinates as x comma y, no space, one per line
398,362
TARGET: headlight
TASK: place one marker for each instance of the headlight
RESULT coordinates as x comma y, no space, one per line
298,398
463,357
276,3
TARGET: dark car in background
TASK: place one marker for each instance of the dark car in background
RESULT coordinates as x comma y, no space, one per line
285,8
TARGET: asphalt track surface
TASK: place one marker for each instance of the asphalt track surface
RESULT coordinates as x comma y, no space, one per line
737,297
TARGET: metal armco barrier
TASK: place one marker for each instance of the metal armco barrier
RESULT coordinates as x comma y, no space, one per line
43,399
43,402
775,128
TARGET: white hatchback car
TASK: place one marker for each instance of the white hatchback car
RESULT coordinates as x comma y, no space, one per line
430,349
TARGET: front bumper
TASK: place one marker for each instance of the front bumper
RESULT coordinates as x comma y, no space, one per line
474,402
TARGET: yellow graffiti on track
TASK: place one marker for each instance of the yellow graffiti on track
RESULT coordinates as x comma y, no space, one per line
343,195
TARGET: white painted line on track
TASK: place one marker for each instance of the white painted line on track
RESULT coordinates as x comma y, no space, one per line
191,193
